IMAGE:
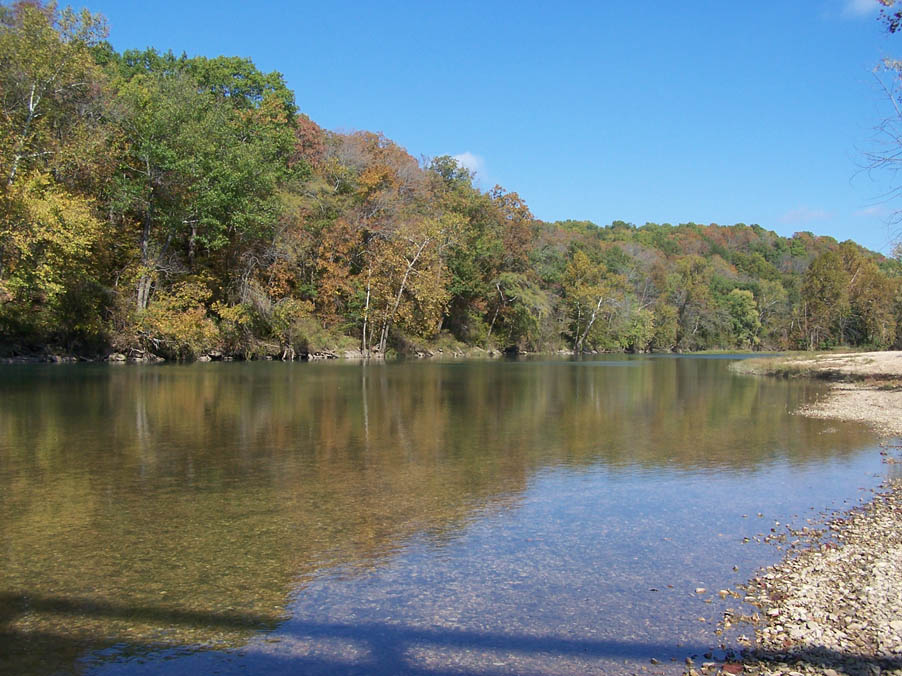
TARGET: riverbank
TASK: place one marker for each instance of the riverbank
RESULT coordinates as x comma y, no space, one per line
835,606
326,354
444,351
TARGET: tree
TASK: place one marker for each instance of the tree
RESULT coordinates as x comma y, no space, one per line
520,310
515,219
744,317
50,280
666,327
407,273
891,17
772,301
176,321
585,287
886,155
688,288
48,283
639,331
46,67
872,302
870,319
825,300
475,258
196,174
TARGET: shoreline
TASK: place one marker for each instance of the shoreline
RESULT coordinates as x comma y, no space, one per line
143,357
460,353
834,607
867,386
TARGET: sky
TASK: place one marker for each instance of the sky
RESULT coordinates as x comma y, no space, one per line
666,112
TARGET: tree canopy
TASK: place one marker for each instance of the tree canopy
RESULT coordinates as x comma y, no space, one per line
185,205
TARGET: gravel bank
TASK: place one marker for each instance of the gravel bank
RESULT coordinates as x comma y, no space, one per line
880,408
866,366
835,607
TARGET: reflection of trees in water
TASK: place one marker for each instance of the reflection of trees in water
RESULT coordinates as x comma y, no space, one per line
693,414
213,489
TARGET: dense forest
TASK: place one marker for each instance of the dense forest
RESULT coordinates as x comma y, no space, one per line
155,204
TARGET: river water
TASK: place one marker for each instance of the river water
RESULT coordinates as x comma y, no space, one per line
512,517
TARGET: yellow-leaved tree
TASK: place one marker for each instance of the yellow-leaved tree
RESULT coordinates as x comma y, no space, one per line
47,278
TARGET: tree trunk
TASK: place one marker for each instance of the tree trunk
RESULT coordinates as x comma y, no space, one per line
145,282
26,129
495,316
364,343
192,245
582,339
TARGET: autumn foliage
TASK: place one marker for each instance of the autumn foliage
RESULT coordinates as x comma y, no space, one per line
185,206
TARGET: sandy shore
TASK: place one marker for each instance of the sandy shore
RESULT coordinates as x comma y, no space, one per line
835,607
867,385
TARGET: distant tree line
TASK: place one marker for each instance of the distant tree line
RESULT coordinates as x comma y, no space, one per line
182,206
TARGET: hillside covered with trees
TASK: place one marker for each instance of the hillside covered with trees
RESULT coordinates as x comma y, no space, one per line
161,204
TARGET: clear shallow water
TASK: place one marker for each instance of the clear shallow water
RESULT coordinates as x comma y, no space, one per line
423,518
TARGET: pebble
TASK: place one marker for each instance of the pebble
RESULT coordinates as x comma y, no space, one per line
835,608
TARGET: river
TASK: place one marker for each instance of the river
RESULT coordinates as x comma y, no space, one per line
502,517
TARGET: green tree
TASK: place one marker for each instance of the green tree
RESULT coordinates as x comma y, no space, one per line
688,288
744,317
666,327
639,331
825,300
873,304
521,310
196,174
773,302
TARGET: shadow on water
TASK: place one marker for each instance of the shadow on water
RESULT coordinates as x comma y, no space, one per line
28,647
390,655
373,647
12,605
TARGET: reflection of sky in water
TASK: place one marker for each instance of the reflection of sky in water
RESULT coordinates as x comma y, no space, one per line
382,518
586,571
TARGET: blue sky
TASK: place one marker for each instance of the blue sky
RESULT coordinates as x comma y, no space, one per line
710,112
